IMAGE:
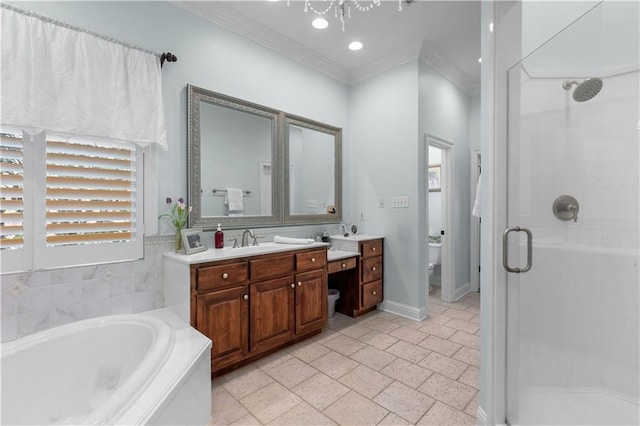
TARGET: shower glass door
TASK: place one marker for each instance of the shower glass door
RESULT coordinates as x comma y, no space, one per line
572,332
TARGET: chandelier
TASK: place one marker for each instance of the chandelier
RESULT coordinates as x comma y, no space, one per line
341,8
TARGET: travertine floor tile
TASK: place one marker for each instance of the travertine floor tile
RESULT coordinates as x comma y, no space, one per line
462,315
406,322
472,406
309,351
468,355
320,391
365,381
224,408
409,334
438,330
448,391
271,361
302,414
334,364
355,331
441,414
436,308
466,326
291,372
405,402
372,357
247,420
408,351
378,340
466,339
240,386
354,409
270,402
393,420
437,318
441,346
471,377
444,365
345,345
380,324
406,372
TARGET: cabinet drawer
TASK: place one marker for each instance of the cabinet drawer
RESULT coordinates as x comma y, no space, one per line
342,265
272,267
222,276
311,260
371,269
372,248
371,293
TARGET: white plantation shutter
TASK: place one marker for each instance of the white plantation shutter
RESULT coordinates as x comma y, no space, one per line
12,206
75,203
93,204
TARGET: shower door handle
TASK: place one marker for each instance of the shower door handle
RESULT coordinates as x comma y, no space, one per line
505,249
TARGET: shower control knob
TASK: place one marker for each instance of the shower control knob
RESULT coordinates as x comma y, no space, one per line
566,207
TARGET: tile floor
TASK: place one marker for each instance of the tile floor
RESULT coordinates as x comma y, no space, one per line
377,369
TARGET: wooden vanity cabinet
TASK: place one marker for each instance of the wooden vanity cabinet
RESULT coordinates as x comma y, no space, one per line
371,270
251,307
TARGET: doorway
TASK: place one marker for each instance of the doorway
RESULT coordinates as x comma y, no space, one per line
440,233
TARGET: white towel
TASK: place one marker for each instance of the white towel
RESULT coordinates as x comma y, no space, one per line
286,240
476,206
233,199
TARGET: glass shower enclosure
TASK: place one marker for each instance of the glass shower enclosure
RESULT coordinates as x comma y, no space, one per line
573,215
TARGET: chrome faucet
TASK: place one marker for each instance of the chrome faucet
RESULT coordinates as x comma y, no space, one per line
245,242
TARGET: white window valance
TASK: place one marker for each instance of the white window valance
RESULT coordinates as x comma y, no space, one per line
71,82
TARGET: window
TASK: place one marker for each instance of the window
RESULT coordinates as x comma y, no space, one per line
69,203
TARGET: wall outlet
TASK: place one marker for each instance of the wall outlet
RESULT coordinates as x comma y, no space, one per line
381,203
362,215
400,202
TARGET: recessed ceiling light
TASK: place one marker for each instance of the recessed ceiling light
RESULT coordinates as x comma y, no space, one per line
480,60
355,45
320,23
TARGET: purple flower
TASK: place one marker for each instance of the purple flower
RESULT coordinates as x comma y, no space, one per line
168,200
180,200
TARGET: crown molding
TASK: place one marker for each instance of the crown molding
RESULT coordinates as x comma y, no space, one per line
229,19
445,67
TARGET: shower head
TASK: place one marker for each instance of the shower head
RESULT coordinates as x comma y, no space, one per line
586,90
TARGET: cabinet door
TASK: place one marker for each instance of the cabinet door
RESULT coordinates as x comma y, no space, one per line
272,313
311,301
223,316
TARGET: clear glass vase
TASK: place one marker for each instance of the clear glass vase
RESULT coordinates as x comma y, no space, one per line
178,242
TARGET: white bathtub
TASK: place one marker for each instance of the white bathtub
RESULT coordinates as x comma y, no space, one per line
121,369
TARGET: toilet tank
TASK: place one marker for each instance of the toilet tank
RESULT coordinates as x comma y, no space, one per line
434,253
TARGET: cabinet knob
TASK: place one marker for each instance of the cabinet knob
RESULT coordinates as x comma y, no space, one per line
344,265
373,269
293,285
299,283
225,275
313,259
373,292
373,248
245,297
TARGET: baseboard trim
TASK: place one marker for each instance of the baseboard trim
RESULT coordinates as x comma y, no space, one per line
460,292
481,417
411,312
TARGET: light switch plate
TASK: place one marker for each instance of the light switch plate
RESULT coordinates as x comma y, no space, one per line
401,202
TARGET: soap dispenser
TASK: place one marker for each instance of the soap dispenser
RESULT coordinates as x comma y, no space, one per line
219,237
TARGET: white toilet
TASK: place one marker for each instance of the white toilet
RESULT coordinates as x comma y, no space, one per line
434,258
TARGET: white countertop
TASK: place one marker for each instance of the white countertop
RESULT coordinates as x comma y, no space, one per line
356,237
340,254
227,253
